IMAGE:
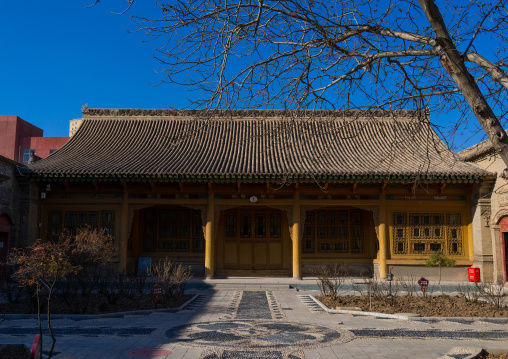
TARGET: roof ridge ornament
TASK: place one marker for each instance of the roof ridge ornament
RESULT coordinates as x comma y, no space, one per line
134,112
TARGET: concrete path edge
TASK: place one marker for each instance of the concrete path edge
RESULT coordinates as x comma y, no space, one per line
405,317
97,316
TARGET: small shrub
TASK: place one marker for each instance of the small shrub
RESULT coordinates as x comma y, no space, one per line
91,250
440,260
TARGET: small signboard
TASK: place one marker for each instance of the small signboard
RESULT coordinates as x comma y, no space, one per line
423,283
156,293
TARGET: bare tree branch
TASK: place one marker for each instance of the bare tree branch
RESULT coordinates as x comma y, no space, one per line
339,54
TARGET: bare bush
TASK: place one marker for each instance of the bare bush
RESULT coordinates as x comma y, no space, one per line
331,279
180,275
114,284
172,278
469,293
410,285
91,250
491,293
10,288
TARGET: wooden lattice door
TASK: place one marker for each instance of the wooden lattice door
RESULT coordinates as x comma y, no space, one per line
253,239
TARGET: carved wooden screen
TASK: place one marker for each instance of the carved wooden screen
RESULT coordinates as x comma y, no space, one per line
427,233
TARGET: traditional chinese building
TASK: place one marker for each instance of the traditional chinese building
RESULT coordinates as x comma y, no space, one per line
263,193
18,208
491,228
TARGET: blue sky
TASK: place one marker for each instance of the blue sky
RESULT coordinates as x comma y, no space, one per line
58,55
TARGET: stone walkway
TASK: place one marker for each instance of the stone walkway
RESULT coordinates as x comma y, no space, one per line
258,324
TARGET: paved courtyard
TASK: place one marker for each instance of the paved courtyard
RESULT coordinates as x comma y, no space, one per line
258,323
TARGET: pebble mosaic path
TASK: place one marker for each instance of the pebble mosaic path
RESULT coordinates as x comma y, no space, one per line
274,324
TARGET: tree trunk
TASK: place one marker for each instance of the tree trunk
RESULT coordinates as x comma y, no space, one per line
454,64
39,317
49,323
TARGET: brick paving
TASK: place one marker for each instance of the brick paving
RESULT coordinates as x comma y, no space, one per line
271,323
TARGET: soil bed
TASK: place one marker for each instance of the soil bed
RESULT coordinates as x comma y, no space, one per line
486,355
14,351
97,305
431,306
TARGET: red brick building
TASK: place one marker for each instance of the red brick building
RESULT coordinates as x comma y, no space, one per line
18,138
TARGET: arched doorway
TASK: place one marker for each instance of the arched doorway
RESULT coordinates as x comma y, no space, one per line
503,230
253,241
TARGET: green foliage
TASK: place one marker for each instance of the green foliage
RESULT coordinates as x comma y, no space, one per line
439,259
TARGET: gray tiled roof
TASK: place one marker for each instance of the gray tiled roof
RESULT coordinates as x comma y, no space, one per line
478,150
112,144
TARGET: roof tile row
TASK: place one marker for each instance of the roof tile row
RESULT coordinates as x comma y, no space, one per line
169,145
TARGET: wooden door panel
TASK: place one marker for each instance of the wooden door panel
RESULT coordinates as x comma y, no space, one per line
253,239
245,251
275,251
260,255
230,253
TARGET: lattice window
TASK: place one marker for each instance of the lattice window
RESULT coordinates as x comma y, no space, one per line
55,222
260,224
426,233
198,239
357,226
309,235
173,230
333,231
454,233
231,224
275,225
399,233
108,222
74,220
150,230
245,224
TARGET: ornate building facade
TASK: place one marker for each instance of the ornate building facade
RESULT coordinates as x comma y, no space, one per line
264,192
491,224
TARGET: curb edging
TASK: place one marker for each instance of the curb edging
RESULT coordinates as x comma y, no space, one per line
99,316
406,317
